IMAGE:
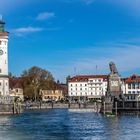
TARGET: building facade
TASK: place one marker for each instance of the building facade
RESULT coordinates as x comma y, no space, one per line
87,87
131,87
51,95
17,93
4,80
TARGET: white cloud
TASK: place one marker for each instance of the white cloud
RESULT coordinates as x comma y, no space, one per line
132,7
27,29
125,56
45,15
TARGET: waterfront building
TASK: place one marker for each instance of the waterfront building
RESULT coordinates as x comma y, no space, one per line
131,87
16,89
87,87
4,80
51,95
17,93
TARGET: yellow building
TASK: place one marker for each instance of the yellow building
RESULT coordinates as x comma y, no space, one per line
49,95
17,92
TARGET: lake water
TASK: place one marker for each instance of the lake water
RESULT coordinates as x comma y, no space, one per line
64,124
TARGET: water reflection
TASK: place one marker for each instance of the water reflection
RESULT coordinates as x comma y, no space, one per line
63,124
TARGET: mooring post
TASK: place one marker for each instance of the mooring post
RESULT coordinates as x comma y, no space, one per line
123,104
69,105
94,105
116,108
104,107
14,108
97,107
137,103
79,105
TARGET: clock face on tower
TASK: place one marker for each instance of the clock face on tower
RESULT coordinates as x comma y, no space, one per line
114,83
1,52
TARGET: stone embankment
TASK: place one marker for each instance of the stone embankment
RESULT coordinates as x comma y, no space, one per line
94,106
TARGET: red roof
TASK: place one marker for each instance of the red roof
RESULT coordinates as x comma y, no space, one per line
84,78
133,78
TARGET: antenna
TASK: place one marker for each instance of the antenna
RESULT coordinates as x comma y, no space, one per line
96,69
74,70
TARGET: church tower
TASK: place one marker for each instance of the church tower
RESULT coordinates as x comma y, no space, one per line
4,80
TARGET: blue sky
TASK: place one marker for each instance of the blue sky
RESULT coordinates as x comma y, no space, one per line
70,37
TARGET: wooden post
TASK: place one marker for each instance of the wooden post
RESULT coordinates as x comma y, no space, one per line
94,105
104,107
123,104
40,104
69,105
137,103
79,105
97,107
116,108
14,108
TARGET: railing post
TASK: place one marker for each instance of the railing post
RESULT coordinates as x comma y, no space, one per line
116,108
104,107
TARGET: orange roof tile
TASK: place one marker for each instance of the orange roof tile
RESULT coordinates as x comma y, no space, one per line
84,78
132,79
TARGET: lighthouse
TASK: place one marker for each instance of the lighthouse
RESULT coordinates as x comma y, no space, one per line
4,80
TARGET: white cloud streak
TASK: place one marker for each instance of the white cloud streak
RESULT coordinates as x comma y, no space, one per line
27,29
45,16
125,56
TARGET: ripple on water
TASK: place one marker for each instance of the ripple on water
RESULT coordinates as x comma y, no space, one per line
62,124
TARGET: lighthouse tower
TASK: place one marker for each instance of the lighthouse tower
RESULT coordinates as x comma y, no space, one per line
4,80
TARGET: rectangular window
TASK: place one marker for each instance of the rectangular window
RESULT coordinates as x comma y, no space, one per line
133,86
129,86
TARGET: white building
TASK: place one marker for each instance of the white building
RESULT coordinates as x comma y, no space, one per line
4,80
88,86
131,87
